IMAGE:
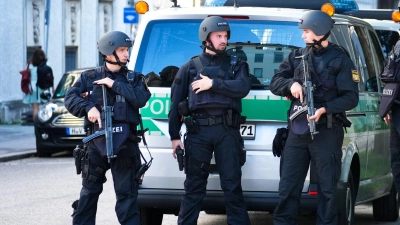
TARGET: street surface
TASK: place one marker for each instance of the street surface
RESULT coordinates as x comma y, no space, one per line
39,191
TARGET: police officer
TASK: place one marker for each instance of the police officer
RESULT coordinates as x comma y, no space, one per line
335,82
393,119
214,84
126,92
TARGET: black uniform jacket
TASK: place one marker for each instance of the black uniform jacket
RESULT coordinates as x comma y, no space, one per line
239,87
136,94
347,88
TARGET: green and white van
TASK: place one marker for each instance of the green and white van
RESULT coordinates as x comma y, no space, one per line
266,35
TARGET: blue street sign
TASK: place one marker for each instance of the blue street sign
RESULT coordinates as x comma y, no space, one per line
130,15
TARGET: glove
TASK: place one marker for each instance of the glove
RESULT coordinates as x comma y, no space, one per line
279,141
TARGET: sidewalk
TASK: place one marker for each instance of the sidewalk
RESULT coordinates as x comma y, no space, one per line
16,142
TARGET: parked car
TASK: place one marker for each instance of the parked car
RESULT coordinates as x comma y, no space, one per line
55,128
266,32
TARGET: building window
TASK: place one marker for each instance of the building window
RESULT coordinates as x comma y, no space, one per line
70,58
258,72
259,58
278,57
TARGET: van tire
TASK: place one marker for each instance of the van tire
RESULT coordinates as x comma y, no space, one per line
386,208
150,216
346,202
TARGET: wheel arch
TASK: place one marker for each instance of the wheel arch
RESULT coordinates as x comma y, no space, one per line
351,161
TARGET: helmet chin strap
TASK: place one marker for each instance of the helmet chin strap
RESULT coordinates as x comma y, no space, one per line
119,63
318,43
212,48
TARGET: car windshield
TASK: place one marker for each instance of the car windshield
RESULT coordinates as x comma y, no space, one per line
167,45
66,82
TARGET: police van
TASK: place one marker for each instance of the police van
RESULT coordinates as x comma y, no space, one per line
263,33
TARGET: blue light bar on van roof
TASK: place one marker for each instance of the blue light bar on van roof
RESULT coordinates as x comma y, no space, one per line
340,5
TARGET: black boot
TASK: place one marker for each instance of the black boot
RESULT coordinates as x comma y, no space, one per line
75,206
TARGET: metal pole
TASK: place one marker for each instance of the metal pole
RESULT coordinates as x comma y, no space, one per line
47,23
131,3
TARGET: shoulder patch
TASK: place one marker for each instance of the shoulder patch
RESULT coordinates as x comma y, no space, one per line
355,76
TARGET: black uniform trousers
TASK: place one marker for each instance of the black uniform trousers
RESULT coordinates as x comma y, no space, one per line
123,169
225,143
325,153
395,145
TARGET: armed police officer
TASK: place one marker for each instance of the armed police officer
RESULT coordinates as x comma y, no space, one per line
126,92
335,90
213,84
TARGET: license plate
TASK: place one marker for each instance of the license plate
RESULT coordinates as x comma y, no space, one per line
75,131
248,131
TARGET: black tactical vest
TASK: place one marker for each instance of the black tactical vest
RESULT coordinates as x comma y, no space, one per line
323,71
208,99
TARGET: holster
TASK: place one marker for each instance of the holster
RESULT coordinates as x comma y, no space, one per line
78,155
343,120
85,165
233,119
191,125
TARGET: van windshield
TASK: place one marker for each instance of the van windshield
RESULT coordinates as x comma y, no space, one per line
168,44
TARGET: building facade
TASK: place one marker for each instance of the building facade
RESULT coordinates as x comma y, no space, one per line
69,38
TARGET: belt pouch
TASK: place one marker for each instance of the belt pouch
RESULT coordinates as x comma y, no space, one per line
191,125
120,111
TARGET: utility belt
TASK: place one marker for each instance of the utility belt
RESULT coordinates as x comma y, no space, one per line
334,119
228,118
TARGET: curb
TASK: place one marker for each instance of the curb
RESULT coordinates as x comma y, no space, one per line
16,156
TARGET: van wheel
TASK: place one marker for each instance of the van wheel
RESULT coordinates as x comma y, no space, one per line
150,216
346,202
386,208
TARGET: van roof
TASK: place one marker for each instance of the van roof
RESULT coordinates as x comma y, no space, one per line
341,6
379,14
384,24
253,13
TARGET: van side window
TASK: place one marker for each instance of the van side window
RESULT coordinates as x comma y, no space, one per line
359,60
379,58
370,56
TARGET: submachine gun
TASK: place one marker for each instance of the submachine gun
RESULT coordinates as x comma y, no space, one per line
308,101
108,129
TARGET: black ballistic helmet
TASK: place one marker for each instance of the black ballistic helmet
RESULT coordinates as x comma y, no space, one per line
213,24
317,21
112,40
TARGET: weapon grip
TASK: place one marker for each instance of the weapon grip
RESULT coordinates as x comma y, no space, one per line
78,158
179,157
